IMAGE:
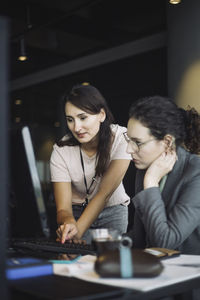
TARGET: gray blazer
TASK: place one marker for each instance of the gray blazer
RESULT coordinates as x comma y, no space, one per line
171,219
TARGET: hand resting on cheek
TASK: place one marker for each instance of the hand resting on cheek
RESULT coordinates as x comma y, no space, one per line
159,168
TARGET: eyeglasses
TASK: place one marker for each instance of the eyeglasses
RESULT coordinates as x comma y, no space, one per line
135,145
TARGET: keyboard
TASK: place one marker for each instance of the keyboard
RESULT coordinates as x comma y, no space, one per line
51,246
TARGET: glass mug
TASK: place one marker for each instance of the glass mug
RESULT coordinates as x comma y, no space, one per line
105,239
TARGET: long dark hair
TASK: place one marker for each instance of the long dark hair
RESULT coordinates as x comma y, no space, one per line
89,99
162,116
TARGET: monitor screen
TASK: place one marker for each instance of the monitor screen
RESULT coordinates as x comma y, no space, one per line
28,216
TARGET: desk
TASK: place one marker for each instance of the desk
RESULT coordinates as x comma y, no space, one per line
55,287
59,287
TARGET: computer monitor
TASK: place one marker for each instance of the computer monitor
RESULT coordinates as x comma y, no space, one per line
28,215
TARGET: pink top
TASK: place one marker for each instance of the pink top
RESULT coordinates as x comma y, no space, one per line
65,166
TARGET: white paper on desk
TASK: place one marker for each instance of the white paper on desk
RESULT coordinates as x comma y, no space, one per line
172,273
83,265
183,260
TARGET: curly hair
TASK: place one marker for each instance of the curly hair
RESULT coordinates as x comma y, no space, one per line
162,116
89,99
192,140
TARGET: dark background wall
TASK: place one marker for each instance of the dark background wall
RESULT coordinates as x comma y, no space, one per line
184,53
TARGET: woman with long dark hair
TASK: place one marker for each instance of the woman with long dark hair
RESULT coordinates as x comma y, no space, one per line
164,142
87,167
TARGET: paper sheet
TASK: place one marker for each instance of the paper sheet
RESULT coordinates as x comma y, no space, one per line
175,270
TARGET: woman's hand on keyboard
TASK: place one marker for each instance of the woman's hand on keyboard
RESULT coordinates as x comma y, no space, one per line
67,232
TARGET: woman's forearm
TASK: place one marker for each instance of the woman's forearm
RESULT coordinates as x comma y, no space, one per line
108,186
64,216
90,214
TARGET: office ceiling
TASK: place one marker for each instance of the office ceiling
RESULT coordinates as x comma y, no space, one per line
58,31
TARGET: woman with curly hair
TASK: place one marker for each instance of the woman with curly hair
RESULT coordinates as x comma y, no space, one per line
87,167
164,142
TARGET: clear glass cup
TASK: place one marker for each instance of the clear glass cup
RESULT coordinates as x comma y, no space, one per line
105,239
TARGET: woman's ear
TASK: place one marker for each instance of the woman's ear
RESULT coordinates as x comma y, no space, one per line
102,115
169,141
